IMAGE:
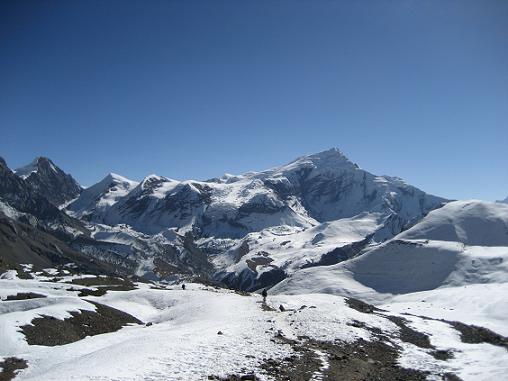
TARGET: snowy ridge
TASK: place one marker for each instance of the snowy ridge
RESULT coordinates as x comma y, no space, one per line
101,195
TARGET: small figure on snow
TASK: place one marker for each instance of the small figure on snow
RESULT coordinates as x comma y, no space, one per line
183,286
281,308
264,293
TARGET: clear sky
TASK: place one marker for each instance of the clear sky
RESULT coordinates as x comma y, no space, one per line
193,89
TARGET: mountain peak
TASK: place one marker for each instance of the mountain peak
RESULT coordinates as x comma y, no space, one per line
330,154
46,164
329,160
101,195
39,163
49,180
153,179
28,169
42,159
114,177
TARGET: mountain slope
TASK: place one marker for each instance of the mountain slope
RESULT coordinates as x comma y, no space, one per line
473,223
22,243
44,177
462,243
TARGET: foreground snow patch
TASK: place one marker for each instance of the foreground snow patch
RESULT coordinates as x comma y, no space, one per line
203,331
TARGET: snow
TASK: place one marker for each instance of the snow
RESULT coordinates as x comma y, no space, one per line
233,206
469,361
9,211
9,274
183,341
484,305
28,169
321,202
291,247
101,196
447,248
471,222
328,321
452,265
33,167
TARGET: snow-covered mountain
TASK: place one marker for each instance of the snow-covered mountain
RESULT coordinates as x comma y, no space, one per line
318,209
463,243
257,229
320,230
44,177
310,190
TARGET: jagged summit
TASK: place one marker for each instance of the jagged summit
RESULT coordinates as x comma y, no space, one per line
40,163
49,180
28,169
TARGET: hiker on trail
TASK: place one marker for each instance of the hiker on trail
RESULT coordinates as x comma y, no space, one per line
183,286
264,294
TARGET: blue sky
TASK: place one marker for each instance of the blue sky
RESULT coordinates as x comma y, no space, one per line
193,89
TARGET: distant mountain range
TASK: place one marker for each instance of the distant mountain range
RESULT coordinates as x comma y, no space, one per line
248,231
